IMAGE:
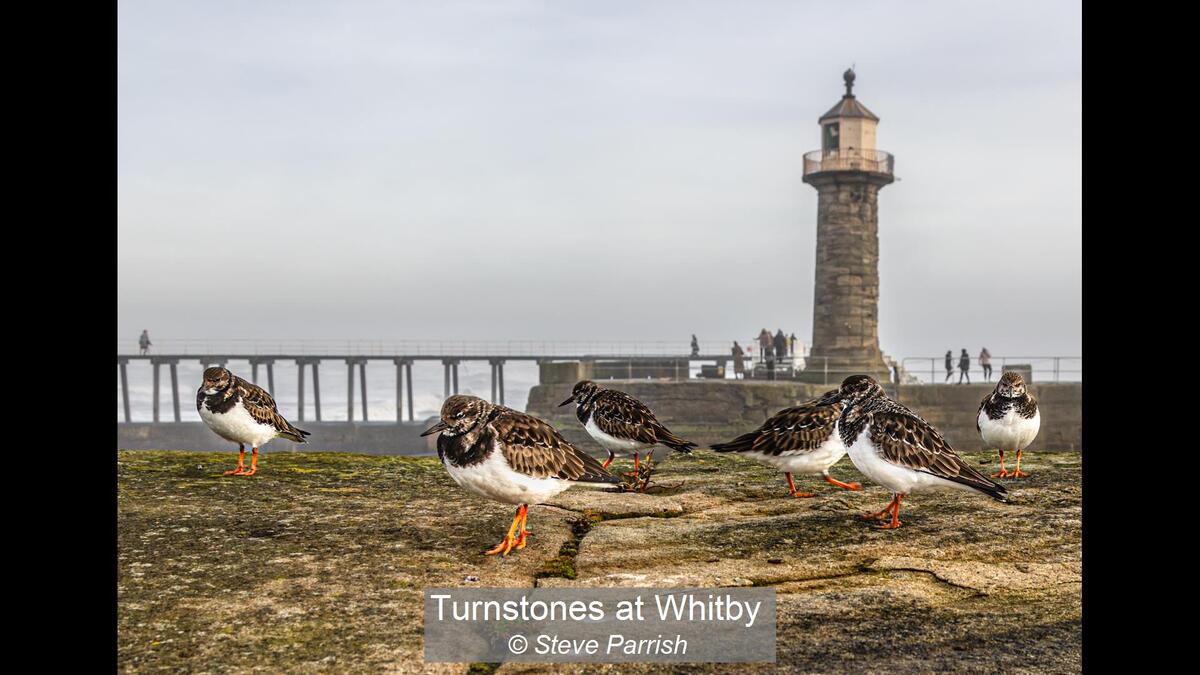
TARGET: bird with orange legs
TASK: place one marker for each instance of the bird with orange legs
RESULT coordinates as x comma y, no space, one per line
894,447
803,439
510,457
621,424
1009,419
242,413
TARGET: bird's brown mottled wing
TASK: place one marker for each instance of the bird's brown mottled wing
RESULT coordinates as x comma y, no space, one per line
269,416
623,416
800,429
909,441
535,448
1028,407
252,393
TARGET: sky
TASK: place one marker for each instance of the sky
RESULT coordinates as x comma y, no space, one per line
514,170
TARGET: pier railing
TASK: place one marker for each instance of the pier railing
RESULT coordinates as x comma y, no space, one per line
932,369
261,370
260,366
438,348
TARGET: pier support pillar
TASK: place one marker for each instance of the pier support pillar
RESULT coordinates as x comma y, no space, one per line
316,388
408,384
121,364
362,385
350,389
175,388
154,363
300,388
316,377
270,364
497,380
362,382
400,366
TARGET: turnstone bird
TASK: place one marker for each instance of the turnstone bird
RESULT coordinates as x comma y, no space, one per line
242,413
803,439
1009,420
621,424
510,457
894,447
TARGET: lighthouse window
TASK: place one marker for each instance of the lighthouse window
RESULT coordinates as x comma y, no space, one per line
830,142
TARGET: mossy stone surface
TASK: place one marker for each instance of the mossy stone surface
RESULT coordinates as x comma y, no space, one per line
317,564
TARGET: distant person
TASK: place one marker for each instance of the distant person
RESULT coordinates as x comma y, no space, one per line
780,345
985,362
764,343
949,365
739,368
695,346
792,344
895,371
144,342
964,364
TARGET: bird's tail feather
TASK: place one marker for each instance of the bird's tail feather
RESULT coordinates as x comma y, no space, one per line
669,439
739,444
295,435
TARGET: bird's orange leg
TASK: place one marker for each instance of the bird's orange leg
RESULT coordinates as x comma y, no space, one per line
522,533
887,510
649,468
253,463
636,467
1002,473
833,481
792,488
1018,473
241,469
895,507
609,460
509,539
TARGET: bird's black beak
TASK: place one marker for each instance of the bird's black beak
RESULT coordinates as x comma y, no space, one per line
570,399
437,428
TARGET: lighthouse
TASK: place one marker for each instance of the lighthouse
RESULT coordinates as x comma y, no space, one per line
847,172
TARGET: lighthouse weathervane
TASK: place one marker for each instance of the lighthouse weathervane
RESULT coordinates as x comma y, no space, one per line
847,172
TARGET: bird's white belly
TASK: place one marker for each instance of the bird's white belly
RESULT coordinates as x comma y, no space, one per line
899,479
1011,432
238,426
814,461
494,478
617,446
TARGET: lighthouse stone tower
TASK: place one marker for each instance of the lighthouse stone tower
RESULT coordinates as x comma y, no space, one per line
847,172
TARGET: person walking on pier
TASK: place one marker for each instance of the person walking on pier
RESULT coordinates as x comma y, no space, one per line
985,362
739,367
781,351
144,342
695,346
964,364
792,344
949,365
764,344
